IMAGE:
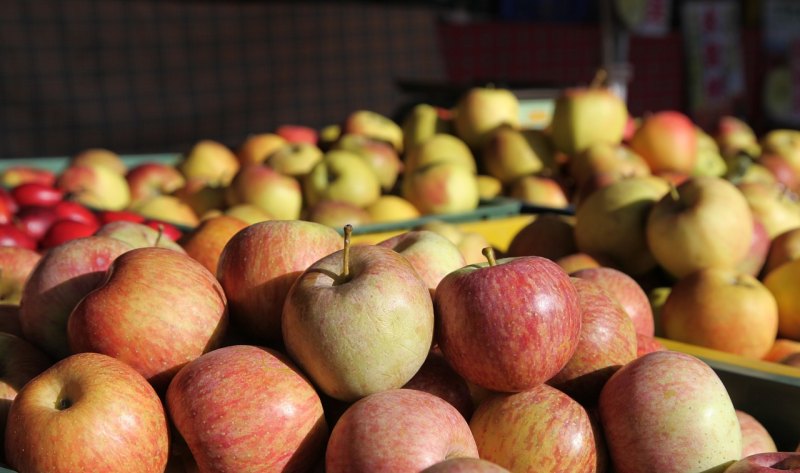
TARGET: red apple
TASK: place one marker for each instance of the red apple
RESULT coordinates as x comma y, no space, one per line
14,175
508,325
32,193
88,412
10,235
70,210
667,140
7,206
108,216
756,256
783,248
755,437
35,220
646,344
397,430
782,348
156,310
465,465
65,230
541,430
169,230
669,412
298,134
65,274
244,408
436,377
782,170
766,463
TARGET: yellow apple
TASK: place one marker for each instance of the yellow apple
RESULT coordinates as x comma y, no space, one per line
442,188
392,208
256,148
509,154
295,159
489,187
440,148
249,213
374,125
100,157
210,160
276,194
481,110
95,186
167,208
342,176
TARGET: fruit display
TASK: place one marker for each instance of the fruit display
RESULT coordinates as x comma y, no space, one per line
219,312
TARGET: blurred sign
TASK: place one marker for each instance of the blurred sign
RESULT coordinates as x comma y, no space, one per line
645,17
780,24
781,89
712,43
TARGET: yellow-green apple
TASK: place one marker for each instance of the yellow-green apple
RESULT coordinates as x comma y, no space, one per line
345,314
734,136
245,408
784,143
605,163
88,412
481,110
210,160
257,147
667,140
611,222
201,196
422,122
9,320
250,213
137,235
432,255
783,248
722,309
540,429
782,348
337,214
751,172
328,135
391,208
465,465
625,290
100,157
755,437
375,126
95,186
381,157
63,276
607,342
767,462
586,115
397,430
20,362
156,310
539,190
781,170
278,195
782,283
277,252
441,188
342,176
438,148
658,404
469,243
15,175
509,154
206,242
436,377
709,160
549,235
168,208
489,187
153,178
776,207
493,315
646,344
16,265
294,159
704,222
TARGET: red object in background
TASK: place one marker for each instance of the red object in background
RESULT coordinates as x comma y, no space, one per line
6,211
71,210
298,134
10,235
35,220
169,230
108,216
66,230
36,194
7,201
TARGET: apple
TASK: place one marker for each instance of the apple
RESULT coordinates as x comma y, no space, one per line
422,122
481,110
257,147
87,412
107,216
439,148
276,194
615,160
724,310
441,188
782,348
8,207
9,320
10,235
784,143
76,212
549,235
492,315
607,342
776,207
509,154
342,176
709,161
344,315
246,408
574,262
655,406
391,208
375,126
782,283
755,437
704,222
667,140
14,175
138,314
397,430
646,344
59,281
783,172
249,213
432,255
201,196
337,214
206,242
469,243
35,194
539,190
298,134
381,157
97,187
540,429
35,220
465,465
489,187
168,208
138,235
436,377
295,159
20,362
733,136
100,157
210,160
767,462
625,290
66,230
153,178
277,252
756,257
611,223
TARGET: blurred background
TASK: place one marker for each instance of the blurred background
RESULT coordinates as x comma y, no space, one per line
139,76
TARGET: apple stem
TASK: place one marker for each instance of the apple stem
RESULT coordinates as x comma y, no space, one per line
488,252
160,233
599,79
348,230
673,192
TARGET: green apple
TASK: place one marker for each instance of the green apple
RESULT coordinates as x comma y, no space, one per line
381,157
295,159
709,159
510,154
342,175
422,122
481,110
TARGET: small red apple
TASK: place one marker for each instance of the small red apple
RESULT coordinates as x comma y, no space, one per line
36,194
